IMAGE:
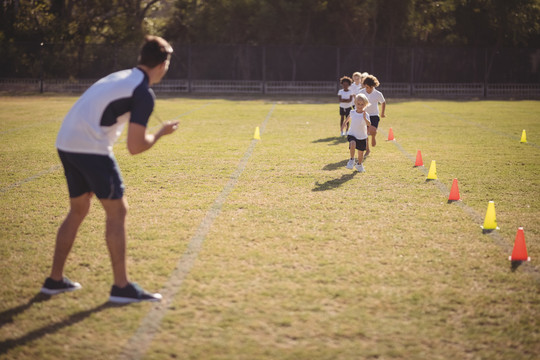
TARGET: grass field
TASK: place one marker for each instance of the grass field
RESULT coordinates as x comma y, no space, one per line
272,249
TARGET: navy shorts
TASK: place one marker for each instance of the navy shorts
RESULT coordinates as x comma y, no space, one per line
92,173
344,111
360,144
375,120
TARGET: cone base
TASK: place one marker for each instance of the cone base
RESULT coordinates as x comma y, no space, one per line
453,201
510,258
487,231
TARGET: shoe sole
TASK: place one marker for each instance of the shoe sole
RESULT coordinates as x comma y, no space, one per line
124,300
48,291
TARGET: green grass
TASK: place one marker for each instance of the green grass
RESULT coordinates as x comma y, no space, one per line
306,260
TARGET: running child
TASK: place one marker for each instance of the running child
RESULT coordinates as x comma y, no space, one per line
346,98
375,97
356,86
363,77
358,135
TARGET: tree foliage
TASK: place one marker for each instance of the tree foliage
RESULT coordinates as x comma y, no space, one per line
483,23
355,22
72,27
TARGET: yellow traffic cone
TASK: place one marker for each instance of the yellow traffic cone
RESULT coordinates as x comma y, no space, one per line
523,137
490,221
432,174
257,135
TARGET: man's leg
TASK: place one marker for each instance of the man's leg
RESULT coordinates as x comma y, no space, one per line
67,232
115,234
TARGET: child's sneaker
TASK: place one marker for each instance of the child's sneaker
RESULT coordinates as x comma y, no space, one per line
131,293
53,287
350,164
360,168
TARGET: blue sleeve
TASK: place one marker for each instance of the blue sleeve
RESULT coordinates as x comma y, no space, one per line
143,105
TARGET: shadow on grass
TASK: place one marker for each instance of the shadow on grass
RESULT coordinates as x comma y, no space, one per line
335,183
8,315
514,264
334,140
335,166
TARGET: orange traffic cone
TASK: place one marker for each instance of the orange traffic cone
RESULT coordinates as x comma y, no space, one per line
454,192
390,135
419,161
520,249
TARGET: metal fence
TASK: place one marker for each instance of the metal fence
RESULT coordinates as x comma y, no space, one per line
402,71
280,63
183,86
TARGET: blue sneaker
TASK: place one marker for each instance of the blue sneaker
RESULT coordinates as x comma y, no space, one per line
53,287
131,293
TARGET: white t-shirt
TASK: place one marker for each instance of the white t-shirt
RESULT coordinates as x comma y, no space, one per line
358,127
345,95
375,98
97,119
355,88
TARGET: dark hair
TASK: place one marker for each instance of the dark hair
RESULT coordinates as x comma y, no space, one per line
345,79
154,51
372,81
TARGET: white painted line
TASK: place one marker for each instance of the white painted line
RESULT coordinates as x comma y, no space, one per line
31,178
56,167
138,344
42,122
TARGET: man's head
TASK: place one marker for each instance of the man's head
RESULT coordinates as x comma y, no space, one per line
154,57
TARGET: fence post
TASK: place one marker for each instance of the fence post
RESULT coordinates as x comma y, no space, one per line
189,68
485,71
338,67
41,68
264,69
411,81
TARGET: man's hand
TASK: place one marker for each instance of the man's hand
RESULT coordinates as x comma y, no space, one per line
138,140
169,127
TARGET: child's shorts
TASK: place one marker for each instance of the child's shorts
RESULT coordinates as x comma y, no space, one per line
374,119
360,144
344,111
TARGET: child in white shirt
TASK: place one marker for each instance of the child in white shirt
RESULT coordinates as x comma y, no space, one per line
345,96
375,98
358,134
356,86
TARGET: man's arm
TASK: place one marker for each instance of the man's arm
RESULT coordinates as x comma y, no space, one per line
383,109
138,140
